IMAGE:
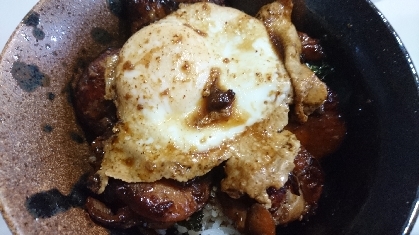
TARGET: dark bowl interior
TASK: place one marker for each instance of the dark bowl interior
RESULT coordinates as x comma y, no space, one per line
371,182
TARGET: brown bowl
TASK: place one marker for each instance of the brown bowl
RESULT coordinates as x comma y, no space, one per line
42,147
371,182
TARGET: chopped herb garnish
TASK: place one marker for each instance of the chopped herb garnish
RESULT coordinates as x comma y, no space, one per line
321,69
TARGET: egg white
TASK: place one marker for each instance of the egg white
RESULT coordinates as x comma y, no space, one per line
159,82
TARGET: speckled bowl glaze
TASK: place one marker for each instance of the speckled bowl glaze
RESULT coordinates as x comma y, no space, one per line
42,148
371,181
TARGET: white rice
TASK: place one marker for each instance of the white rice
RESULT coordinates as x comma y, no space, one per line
214,222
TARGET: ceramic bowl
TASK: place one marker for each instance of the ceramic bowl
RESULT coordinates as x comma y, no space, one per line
371,182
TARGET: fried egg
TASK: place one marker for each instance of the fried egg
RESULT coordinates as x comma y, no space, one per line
160,83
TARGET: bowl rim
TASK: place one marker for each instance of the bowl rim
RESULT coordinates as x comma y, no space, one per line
414,213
